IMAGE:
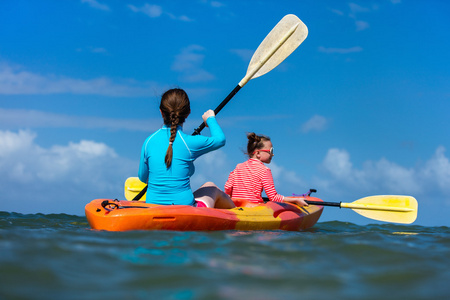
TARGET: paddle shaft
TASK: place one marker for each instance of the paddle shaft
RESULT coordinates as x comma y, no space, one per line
218,108
323,203
315,202
141,193
357,206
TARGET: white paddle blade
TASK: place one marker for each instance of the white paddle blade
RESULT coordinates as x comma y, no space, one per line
284,38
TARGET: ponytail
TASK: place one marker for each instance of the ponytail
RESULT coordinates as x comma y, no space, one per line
173,134
175,108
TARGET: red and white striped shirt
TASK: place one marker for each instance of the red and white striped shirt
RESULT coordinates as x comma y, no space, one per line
248,180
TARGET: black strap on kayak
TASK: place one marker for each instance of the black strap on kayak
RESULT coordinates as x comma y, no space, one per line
107,203
117,206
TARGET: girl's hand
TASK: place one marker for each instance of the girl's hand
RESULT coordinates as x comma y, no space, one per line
300,201
207,114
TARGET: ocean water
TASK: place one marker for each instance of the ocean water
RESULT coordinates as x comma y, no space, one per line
58,256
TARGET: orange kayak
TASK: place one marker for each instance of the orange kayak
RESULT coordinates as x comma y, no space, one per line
123,215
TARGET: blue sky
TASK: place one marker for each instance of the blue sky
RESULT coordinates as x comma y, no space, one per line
359,109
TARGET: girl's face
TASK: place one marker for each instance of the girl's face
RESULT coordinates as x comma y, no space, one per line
265,154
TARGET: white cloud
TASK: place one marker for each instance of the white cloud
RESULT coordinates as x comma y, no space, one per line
354,11
340,50
96,50
386,177
62,178
315,123
436,171
156,11
244,54
183,18
96,4
337,12
189,63
15,80
153,11
355,8
337,163
213,3
361,25
217,4
189,58
11,143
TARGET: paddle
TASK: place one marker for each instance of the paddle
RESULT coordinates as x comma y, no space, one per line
133,189
281,41
386,208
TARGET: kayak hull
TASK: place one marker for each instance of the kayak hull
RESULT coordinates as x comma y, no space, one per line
115,215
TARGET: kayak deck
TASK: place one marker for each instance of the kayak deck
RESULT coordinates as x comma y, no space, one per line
123,215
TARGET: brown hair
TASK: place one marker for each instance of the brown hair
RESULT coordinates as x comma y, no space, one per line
255,142
175,108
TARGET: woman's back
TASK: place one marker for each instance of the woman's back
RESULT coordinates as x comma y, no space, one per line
172,185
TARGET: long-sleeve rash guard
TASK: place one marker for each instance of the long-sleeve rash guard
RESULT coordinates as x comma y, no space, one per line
172,185
248,180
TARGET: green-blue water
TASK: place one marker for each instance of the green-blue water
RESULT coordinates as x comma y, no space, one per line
59,257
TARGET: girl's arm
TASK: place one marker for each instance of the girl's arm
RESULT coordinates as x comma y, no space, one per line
269,187
300,201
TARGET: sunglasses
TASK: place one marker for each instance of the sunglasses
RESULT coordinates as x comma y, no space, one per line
265,150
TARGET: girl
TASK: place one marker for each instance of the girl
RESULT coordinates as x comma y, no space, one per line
249,178
167,157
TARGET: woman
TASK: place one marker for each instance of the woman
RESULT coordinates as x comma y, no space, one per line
250,178
167,157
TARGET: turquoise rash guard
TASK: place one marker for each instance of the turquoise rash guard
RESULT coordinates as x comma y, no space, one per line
172,186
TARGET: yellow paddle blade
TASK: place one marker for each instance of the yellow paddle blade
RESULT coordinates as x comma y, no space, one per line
132,187
387,208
